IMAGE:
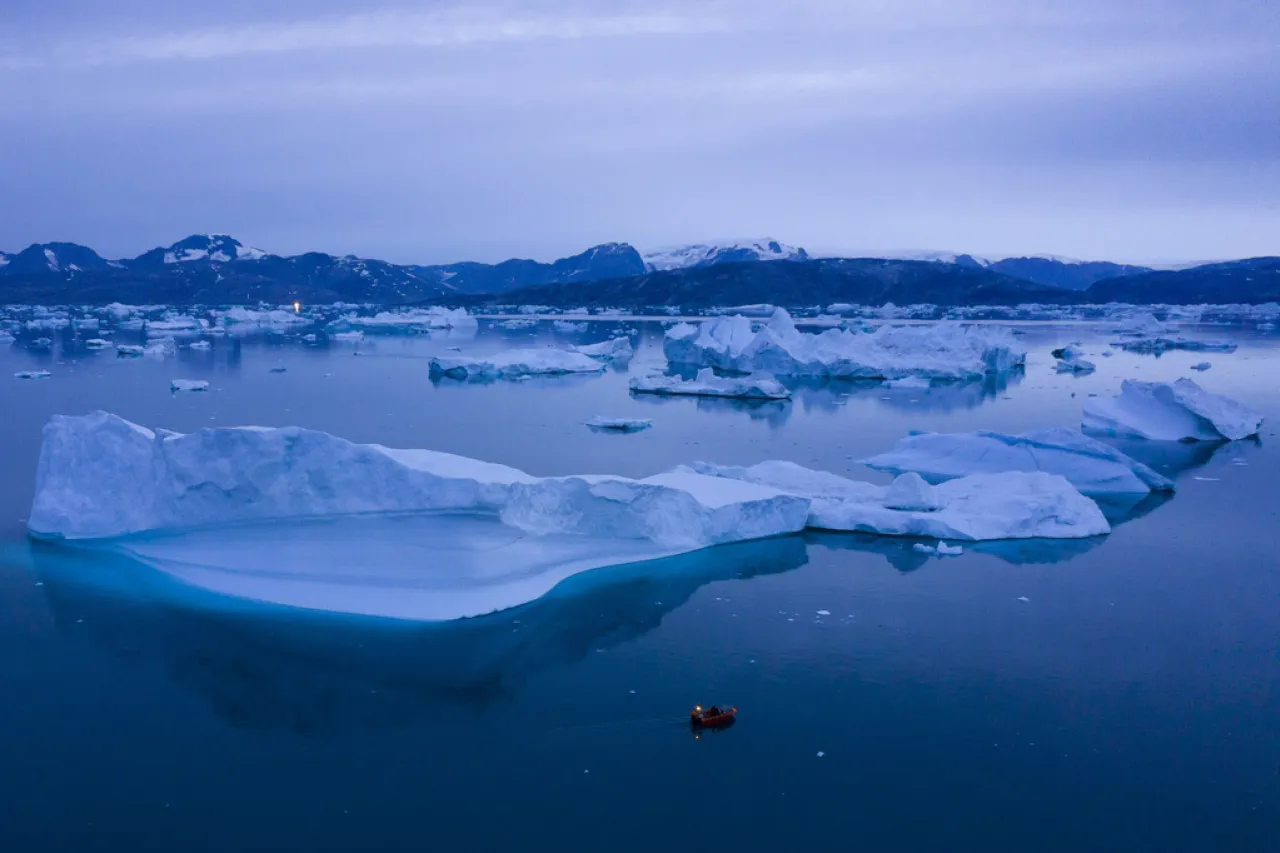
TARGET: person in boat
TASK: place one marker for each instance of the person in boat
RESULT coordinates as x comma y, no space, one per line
713,711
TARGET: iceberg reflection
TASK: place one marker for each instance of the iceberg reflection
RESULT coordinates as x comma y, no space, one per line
272,668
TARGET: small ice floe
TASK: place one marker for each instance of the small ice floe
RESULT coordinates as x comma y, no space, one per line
188,385
515,364
757,386
200,345
1159,346
1202,366
32,374
1071,360
352,337
821,753
568,327
97,343
620,424
1179,411
41,343
278,370
1024,599
310,338
824,612
455,349
945,550
1206,479
615,349
129,351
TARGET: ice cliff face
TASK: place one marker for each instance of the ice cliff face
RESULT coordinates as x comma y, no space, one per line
941,351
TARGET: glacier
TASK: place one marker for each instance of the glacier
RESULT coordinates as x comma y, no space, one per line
512,364
1089,465
1008,505
944,351
1178,411
707,384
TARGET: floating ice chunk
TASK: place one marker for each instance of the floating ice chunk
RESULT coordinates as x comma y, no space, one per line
824,612
1170,412
1010,505
568,327
918,382
945,550
910,492
1159,346
512,364
941,351
620,424
97,343
922,548
1071,360
102,476
616,349
411,320
516,324
32,374
129,351
278,370
188,385
6,339
707,384
1024,599
1202,366
351,337
1144,324
1091,466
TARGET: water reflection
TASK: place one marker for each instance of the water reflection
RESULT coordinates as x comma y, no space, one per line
272,668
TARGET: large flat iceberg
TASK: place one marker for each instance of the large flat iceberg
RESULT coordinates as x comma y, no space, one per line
512,364
707,384
937,351
102,476
1010,505
1181,411
1091,466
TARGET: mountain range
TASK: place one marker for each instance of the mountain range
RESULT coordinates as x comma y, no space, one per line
218,269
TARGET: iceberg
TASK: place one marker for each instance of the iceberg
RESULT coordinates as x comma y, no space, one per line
102,476
620,424
945,351
200,346
912,382
1181,411
511,364
414,320
1008,505
707,384
615,349
188,385
1089,465
1071,360
97,343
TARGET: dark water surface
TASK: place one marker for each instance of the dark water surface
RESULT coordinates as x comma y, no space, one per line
1130,703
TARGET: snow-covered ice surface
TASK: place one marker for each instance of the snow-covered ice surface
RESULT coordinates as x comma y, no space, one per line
102,477
1091,466
512,364
946,351
620,424
707,384
1009,505
1177,411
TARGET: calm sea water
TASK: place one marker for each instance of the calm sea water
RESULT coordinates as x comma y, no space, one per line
1130,703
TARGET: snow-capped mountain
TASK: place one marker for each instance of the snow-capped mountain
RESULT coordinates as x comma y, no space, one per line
1053,270
210,248
66,258
709,254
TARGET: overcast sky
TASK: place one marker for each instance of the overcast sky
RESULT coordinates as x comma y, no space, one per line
1144,130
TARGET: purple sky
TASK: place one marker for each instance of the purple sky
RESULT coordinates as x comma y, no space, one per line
1142,130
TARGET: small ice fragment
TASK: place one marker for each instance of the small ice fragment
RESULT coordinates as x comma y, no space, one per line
1206,479
32,374
1024,598
945,550
1202,366
824,612
821,753
279,369
619,424
924,549
188,385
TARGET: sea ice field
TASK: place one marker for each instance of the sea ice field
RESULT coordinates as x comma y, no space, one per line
422,604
